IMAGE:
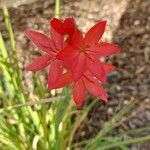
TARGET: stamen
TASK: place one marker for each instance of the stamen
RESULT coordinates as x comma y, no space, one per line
82,49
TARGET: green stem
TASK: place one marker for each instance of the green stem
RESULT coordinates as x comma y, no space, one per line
146,128
57,8
117,135
80,119
110,125
17,74
29,103
128,142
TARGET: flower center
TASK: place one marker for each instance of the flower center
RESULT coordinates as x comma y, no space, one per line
82,49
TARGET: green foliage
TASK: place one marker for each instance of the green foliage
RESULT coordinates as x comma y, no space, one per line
45,124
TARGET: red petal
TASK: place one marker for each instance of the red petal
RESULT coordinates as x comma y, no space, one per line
69,26
38,64
40,40
95,88
57,25
67,53
79,66
96,68
95,33
55,71
64,80
79,92
77,39
108,67
105,49
57,39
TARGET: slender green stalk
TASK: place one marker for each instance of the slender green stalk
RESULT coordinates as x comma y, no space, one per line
30,103
128,142
142,129
110,125
15,66
57,8
9,29
3,48
6,70
80,120
42,115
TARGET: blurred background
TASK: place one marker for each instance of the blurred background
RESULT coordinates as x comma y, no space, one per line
128,25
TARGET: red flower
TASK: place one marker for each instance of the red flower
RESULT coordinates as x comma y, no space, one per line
66,27
79,55
87,83
51,46
83,53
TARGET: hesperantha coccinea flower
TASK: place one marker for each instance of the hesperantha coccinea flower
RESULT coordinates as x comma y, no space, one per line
83,53
78,55
87,83
51,45
63,27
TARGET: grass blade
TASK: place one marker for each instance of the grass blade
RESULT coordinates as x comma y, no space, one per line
110,125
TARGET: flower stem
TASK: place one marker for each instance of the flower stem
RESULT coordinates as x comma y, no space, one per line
57,8
128,142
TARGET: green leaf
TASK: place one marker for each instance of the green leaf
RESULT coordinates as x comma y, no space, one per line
108,126
124,143
60,111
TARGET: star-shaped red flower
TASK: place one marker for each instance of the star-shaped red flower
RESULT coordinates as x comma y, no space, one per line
83,53
80,55
87,83
63,27
51,46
